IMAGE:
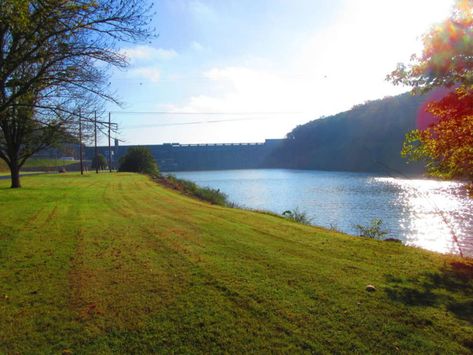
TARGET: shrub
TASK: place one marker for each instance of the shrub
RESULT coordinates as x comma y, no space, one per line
297,216
232,204
373,231
138,160
334,228
100,161
214,196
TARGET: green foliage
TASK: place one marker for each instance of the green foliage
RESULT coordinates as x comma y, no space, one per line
54,59
373,231
297,216
413,149
214,196
138,160
368,137
446,57
446,62
100,162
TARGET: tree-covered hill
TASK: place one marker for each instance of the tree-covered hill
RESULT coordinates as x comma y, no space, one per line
368,138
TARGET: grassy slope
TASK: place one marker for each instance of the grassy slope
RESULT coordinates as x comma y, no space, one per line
116,263
38,163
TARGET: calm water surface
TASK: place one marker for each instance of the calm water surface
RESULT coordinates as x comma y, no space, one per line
425,213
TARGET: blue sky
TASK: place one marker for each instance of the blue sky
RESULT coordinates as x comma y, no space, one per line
262,67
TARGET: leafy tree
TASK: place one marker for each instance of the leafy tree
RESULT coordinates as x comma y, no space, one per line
99,162
447,145
54,56
447,62
138,160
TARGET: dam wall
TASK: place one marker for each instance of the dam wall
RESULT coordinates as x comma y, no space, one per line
192,157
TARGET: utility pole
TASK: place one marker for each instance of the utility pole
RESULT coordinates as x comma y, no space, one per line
80,144
109,141
96,150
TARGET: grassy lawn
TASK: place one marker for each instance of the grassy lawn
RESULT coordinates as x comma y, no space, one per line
7,173
116,263
38,163
48,163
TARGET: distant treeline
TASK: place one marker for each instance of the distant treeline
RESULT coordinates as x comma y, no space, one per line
367,138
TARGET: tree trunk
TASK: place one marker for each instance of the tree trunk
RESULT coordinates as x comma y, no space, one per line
15,176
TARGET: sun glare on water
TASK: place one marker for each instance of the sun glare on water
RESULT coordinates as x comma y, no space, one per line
437,215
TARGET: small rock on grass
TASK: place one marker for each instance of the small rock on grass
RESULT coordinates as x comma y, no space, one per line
370,288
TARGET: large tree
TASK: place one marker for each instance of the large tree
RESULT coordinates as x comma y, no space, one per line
54,58
446,62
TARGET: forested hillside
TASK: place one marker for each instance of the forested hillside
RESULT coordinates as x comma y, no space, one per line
368,138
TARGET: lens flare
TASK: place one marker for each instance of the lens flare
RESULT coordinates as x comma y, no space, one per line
424,118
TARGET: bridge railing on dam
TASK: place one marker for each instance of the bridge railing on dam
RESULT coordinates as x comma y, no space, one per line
178,145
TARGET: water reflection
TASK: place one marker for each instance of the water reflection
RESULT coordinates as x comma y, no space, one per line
434,214
424,213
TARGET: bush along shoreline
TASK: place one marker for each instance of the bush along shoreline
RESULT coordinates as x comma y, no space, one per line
217,197
189,188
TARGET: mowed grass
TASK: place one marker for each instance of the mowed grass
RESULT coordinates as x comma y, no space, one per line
4,174
35,163
115,263
47,163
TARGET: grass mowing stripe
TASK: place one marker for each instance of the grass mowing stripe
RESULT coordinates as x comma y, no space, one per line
115,263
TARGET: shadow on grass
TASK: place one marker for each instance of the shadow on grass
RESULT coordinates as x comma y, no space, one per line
452,287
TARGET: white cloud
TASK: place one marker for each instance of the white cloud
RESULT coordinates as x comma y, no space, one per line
197,46
144,62
148,53
243,89
333,69
201,11
150,73
328,71
166,53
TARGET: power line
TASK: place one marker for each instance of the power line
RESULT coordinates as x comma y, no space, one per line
192,123
204,113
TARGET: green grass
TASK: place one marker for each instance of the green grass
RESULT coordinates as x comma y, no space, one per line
7,173
116,263
48,163
35,163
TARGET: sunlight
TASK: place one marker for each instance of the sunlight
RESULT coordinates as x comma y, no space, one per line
359,48
239,176
435,216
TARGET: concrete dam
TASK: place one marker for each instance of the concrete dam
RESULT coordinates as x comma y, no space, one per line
191,157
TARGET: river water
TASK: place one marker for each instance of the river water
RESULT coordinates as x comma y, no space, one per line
435,215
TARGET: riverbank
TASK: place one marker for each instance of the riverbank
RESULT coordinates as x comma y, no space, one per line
117,263
431,214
